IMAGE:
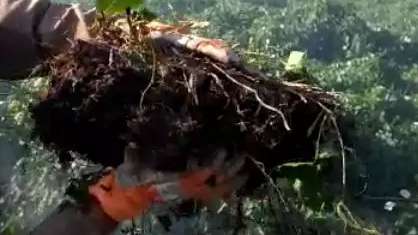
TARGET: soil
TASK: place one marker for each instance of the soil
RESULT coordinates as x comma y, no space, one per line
175,105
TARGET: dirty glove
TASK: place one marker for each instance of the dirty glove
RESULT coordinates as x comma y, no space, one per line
121,203
214,180
129,191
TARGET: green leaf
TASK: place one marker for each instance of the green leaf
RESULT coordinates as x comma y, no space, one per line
118,6
296,61
146,14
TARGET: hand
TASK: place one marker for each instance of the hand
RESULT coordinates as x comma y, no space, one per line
204,185
216,181
213,181
132,189
207,185
123,203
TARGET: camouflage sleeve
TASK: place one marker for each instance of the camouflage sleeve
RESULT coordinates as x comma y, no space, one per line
32,29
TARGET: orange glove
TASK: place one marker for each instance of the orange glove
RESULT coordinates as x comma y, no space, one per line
217,181
205,185
123,203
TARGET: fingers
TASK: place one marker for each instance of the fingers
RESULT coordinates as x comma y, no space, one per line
217,181
130,190
134,172
122,203
208,193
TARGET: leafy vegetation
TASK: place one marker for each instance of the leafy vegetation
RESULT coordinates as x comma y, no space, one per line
364,49
114,6
367,50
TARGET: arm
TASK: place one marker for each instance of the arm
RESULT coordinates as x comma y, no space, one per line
99,210
31,30
71,219
110,203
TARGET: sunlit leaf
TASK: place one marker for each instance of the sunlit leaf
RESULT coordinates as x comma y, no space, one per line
296,61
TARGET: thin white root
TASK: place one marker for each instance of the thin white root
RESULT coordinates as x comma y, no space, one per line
257,97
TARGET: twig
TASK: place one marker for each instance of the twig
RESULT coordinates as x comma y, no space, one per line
219,83
132,29
255,93
301,97
111,58
324,119
260,167
189,82
314,124
341,143
324,108
151,82
36,71
239,219
346,216
343,157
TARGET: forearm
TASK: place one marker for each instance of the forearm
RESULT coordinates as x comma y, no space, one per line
30,30
71,219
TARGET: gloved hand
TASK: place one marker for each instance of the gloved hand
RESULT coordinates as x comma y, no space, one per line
121,203
125,193
218,180
30,29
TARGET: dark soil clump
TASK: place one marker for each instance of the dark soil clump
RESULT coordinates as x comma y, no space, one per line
174,107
